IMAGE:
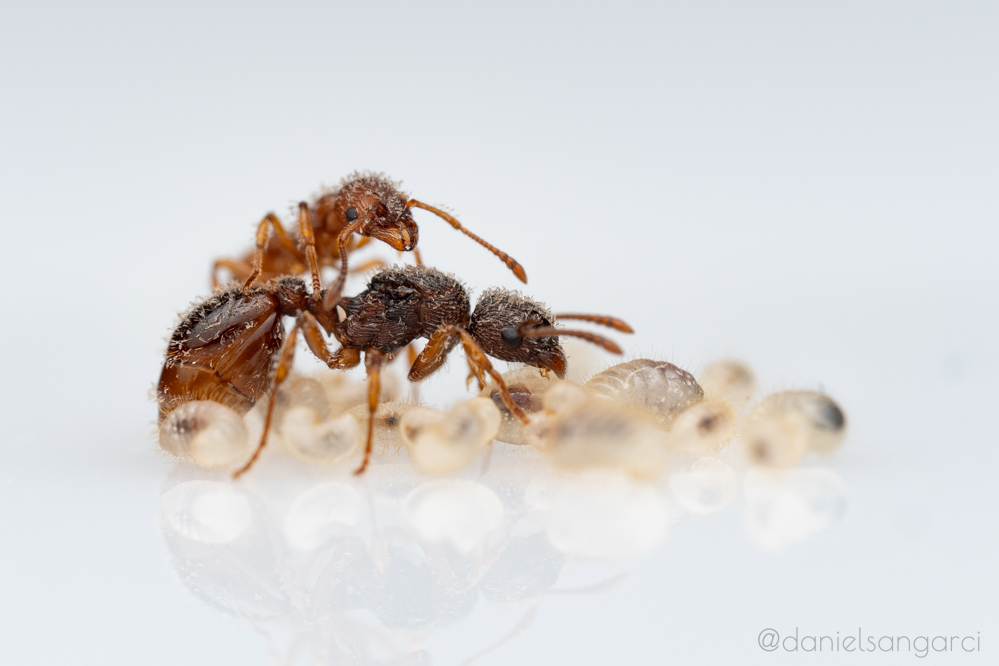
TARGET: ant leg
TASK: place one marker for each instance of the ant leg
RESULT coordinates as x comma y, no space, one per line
373,360
305,231
611,322
269,222
333,293
510,262
429,361
240,270
552,332
479,362
287,356
414,388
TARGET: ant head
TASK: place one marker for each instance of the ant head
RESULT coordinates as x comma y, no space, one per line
499,322
381,208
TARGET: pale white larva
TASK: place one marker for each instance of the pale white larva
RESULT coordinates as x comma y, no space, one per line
441,443
579,431
779,430
656,387
731,381
704,427
207,432
316,442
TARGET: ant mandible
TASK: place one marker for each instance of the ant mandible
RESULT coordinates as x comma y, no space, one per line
403,304
225,349
366,204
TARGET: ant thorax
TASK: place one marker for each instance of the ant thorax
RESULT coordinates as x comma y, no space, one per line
498,324
401,303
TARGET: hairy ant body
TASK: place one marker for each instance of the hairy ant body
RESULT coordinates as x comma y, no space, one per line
368,205
231,349
403,304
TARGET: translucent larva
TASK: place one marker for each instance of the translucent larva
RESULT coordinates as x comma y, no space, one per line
527,387
779,430
316,442
704,427
442,443
657,387
312,440
578,431
207,432
731,381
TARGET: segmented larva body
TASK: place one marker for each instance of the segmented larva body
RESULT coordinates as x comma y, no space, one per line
779,430
441,443
655,387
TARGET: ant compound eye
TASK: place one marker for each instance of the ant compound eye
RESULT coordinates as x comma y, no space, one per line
511,338
351,214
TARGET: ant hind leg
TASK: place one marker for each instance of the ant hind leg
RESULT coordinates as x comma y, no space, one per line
287,356
373,360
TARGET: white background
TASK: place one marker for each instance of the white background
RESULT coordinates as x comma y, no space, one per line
810,188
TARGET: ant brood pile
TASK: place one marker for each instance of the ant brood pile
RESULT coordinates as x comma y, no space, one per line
231,350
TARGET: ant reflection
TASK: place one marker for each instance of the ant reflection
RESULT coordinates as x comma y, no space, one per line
335,569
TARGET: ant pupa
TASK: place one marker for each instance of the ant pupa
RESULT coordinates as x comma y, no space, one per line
655,387
779,430
731,381
442,443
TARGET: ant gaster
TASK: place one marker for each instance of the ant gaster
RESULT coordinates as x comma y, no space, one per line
226,348
403,304
368,205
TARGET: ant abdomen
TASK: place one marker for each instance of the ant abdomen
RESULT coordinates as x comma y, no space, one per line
779,430
656,387
442,443
207,432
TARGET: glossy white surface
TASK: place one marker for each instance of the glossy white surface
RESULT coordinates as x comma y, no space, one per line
812,190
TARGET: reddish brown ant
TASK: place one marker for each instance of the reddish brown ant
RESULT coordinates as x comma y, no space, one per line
226,348
403,304
369,205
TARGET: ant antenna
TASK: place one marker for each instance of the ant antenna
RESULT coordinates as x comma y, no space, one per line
510,262
552,332
603,320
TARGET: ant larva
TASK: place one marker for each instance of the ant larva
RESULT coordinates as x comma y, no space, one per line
369,205
779,430
403,304
226,354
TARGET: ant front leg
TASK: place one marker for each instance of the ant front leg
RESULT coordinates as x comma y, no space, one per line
269,222
479,362
373,360
287,356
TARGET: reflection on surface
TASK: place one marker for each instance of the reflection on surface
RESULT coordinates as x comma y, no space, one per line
337,569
